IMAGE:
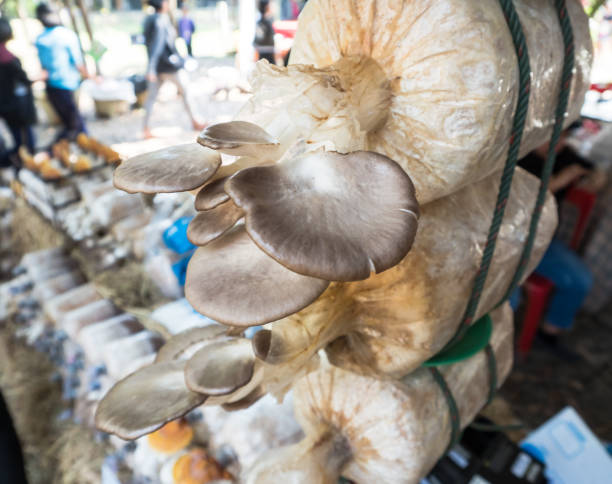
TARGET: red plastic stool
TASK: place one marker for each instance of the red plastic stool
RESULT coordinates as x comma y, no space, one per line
585,202
537,288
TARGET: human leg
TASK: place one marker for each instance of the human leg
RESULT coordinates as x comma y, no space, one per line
64,103
180,79
23,135
572,280
152,92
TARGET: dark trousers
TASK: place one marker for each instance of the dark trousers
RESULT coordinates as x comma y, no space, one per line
22,135
65,106
11,459
188,42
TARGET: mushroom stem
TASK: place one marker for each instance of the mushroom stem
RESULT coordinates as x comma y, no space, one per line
291,338
319,458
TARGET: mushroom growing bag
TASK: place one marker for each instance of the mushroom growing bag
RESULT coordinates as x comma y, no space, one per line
432,84
393,321
378,430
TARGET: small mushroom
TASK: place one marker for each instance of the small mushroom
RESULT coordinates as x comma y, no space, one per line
184,344
231,281
208,225
221,368
145,400
211,195
239,138
175,169
328,215
245,402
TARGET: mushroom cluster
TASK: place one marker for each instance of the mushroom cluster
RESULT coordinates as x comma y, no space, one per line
307,211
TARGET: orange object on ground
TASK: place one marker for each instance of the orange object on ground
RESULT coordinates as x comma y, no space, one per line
197,467
172,437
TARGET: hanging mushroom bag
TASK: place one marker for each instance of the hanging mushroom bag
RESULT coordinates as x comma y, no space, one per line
354,208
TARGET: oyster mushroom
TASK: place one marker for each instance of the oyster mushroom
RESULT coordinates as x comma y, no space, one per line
232,281
369,429
175,169
208,225
145,400
221,367
182,345
239,138
211,195
327,215
138,404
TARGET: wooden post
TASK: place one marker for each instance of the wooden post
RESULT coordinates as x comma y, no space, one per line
75,27
85,16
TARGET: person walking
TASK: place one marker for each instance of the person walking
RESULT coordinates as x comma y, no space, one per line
16,101
186,28
61,59
264,33
165,63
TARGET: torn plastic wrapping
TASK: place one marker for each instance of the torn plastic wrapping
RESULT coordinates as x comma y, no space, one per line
452,77
386,431
393,321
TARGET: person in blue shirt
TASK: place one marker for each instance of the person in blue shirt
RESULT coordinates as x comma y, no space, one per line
186,28
61,58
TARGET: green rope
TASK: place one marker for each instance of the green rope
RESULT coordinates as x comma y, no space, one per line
566,78
518,125
453,410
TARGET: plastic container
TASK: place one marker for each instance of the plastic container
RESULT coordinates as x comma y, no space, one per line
57,307
122,354
45,290
93,337
77,319
175,236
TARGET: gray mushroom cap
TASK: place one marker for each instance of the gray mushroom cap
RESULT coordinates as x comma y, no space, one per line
210,224
239,138
185,343
232,281
175,169
211,195
328,215
221,368
145,400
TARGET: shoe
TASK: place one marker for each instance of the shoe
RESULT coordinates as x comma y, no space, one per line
198,125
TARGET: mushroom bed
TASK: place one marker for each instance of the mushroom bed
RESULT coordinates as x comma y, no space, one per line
346,209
